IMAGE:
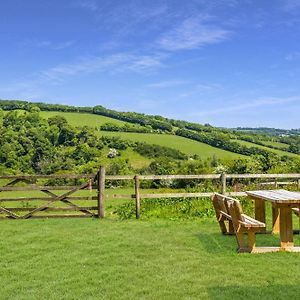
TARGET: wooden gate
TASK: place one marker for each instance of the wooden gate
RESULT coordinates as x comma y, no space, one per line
50,200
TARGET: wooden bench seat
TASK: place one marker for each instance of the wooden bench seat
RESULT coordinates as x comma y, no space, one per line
229,209
244,224
250,222
222,213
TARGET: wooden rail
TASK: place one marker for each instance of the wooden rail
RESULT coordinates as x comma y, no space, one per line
95,183
48,203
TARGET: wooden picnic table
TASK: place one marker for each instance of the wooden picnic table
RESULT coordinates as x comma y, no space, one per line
282,203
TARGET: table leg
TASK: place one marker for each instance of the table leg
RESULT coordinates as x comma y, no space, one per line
275,218
286,227
260,211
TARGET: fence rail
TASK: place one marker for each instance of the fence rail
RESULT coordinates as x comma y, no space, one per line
95,183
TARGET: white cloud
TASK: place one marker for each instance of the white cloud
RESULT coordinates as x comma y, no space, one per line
111,64
35,43
63,45
192,33
87,4
200,89
291,5
293,56
261,102
167,84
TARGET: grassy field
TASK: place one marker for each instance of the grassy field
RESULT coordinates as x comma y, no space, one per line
137,259
276,144
81,119
160,259
136,160
279,152
183,144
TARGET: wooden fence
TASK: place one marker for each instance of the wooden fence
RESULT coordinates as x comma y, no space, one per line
95,183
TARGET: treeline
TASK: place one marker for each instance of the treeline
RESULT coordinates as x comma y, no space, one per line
25,105
148,121
156,122
222,141
154,151
269,131
127,128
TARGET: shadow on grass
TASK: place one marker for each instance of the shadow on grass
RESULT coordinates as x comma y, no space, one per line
271,291
219,243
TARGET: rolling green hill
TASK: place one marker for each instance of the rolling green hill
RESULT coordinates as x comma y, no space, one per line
185,145
141,138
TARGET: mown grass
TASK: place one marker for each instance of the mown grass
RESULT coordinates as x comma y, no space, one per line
180,143
276,144
279,152
158,259
81,119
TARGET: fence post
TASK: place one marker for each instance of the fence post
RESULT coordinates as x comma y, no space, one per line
100,191
223,183
137,196
90,189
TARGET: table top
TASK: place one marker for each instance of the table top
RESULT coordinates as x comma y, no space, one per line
278,196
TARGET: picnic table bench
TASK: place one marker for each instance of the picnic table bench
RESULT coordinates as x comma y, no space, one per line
229,209
220,204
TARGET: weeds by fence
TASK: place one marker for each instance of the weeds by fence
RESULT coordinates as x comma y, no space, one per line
95,183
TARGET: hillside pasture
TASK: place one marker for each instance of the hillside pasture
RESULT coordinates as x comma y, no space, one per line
185,145
276,151
82,119
276,144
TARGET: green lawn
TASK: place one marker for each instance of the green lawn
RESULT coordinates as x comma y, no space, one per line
81,119
183,144
279,152
159,259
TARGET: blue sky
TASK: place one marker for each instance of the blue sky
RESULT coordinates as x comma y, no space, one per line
224,62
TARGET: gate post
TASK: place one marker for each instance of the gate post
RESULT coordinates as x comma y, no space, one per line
101,191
